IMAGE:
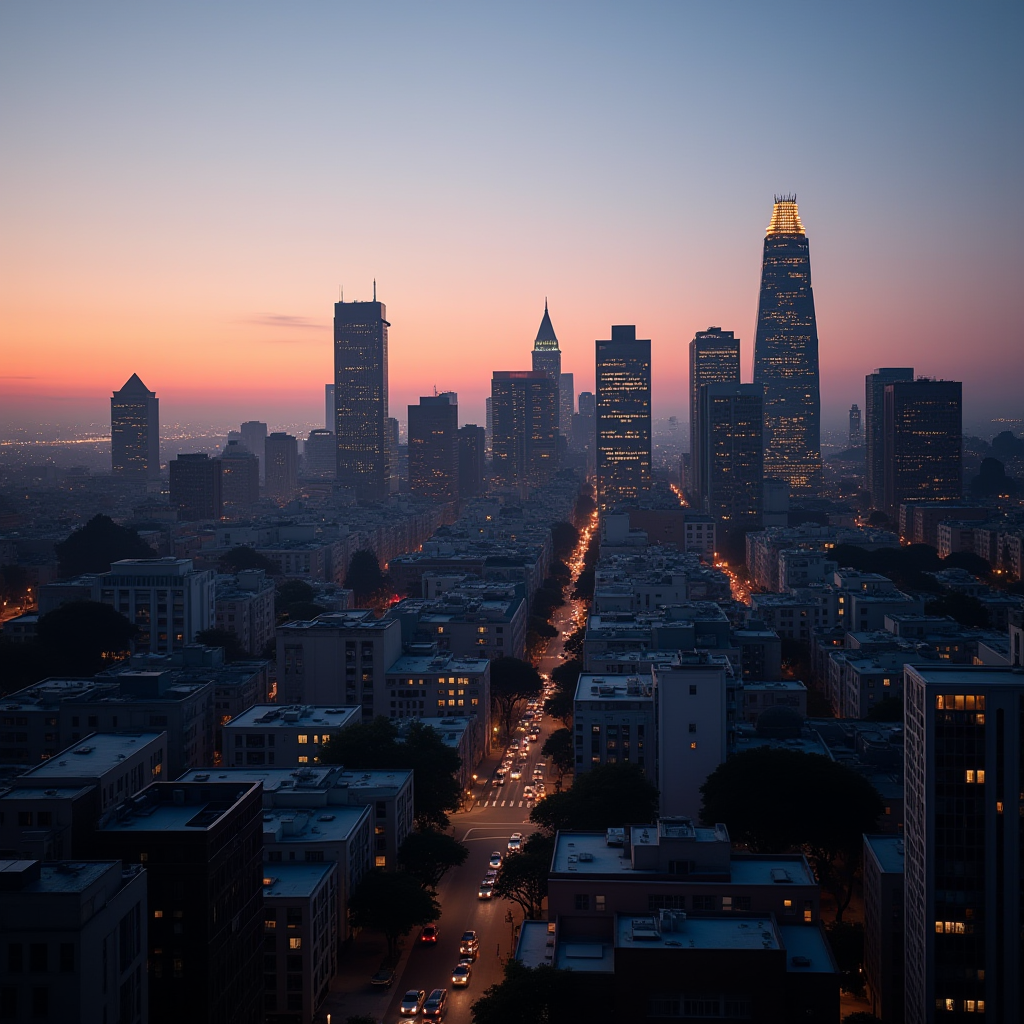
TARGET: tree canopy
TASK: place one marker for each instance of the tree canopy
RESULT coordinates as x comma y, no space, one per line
513,683
392,902
94,546
83,637
376,744
293,591
965,608
607,796
890,709
371,587
429,854
560,706
763,796
533,995
560,748
240,558
523,877
564,537
233,649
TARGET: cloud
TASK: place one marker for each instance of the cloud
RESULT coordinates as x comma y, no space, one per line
284,320
9,376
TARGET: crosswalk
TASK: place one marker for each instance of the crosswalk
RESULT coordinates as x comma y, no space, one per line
502,803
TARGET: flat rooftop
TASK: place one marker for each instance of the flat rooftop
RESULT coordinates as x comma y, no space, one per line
312,825
936,675
807,950
889,851
37,793
291,716
425,665
294,881
643,931
610,687
61,876
95,755
533,949
159,808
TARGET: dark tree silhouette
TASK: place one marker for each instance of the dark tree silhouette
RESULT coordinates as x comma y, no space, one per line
392,902
429,854
513,683
559,747
100,542
560,706
292,592
240,558
564,538
607,796
888,710
533,995
371,587
965,608
523,877
233,649
84,637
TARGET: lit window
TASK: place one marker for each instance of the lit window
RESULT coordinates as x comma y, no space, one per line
788,904
295,943
158,913
380,861
303,759
693,745
303,738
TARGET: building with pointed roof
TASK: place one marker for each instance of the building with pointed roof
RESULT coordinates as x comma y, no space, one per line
547,358
135,431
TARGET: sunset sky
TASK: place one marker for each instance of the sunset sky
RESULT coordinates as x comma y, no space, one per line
184,187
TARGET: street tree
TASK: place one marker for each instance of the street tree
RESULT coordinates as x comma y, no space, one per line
564,538
560,706
84,637
523,877
392,902
560,748
292,591
428,855
371,587
763,795
607,796
532,995
965,608
513,683
94,546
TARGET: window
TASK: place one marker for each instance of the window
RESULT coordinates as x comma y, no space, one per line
581,901
40,1002
380,861
975,775
37,957
8,1002
693,689
693,745
704,903
693,727
303,738
599,903
295,942
15,958
67,957
659,901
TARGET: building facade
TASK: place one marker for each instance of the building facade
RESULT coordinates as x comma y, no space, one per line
547,358
196,487
434,447
730,451
714,359
524,413
282,466
254,437
135,431
472,445
874,427
240,479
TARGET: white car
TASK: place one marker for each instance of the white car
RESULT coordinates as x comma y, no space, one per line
515,843
486,890
516,773
495,861
528,792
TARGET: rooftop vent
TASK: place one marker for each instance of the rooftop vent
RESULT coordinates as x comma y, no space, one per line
83,750
800,961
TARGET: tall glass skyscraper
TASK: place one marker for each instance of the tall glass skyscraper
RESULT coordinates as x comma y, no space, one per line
135,431
714,359
547,358
361,396
786,354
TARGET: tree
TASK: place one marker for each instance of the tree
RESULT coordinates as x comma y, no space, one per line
392,902
560,748
532,995
84,637
429,854
301,611
100,542
541,627
523,877
564,538
974,564
13,583
965,608
567,675
233,649
607,796
888,710
292,592
560,706
513,683
574,641
240,558
847,942
763,796
364,578
992,480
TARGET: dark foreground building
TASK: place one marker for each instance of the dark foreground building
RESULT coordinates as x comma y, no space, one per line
135,431
786,354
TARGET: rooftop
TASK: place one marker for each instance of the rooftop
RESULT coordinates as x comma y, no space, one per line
594,686
312,825
59,877
176,807
536,945
963,675
270,716
94,756
292,881
676,929
412,664
889,851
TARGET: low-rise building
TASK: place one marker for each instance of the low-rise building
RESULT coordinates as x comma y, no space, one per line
245,607
756,696
884,860
283,735
614,721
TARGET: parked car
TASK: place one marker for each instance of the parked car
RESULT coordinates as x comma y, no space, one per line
469,942
412,1001
495,861
460,975
429,934
436,1004
486,890
515,842
385,977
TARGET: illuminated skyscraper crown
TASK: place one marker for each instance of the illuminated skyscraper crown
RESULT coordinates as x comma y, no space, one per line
546,340
785,217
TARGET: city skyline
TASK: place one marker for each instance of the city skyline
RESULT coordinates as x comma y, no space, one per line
672,260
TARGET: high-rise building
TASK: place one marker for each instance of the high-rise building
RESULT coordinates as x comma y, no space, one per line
320,455
329,413
282,466
524,410
856,433
623,417
471,460
922,442
566,399
361,396
240,478
135,431
786,354
584,429
963,765
254,437
196,482
488,424
394,476
434,447
874,417
547,356
730,450
714,359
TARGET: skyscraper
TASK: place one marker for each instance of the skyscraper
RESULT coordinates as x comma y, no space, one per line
361,396
585,428
282,466
394,475
964,909
254,437
240,478
434,447
856,434
329,414
923,440
320,455
196,487
786,354
730,450
566,399
547,357
714,359
524,411
135,431
488,424
623,417
874,416
471,460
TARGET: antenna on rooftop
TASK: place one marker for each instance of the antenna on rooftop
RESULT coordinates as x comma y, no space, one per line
375,289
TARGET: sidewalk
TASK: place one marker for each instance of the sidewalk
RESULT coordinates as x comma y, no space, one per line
351,992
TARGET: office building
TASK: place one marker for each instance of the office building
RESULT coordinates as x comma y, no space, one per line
729,451
196,487
874,427
74,942
488,424
361,397
884,865
319,455
135,431
239,479
200,845
282,735
623,418
394,471
472,455
584,429
329,413
923,442
963,765
254,437
566,401
282,466
856,433
524,412
547,358
714,359
434,447
786,354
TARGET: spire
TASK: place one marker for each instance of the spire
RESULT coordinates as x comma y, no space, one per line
134,386
785,217
546,339
375,289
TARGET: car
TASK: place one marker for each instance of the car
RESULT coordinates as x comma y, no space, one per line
436,1004
412,1001
516,773
469,942
491,875
429,935
498,780
515,842
467,960
385,977
460,975
527,791
514,745
495,861
486,890
532,738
